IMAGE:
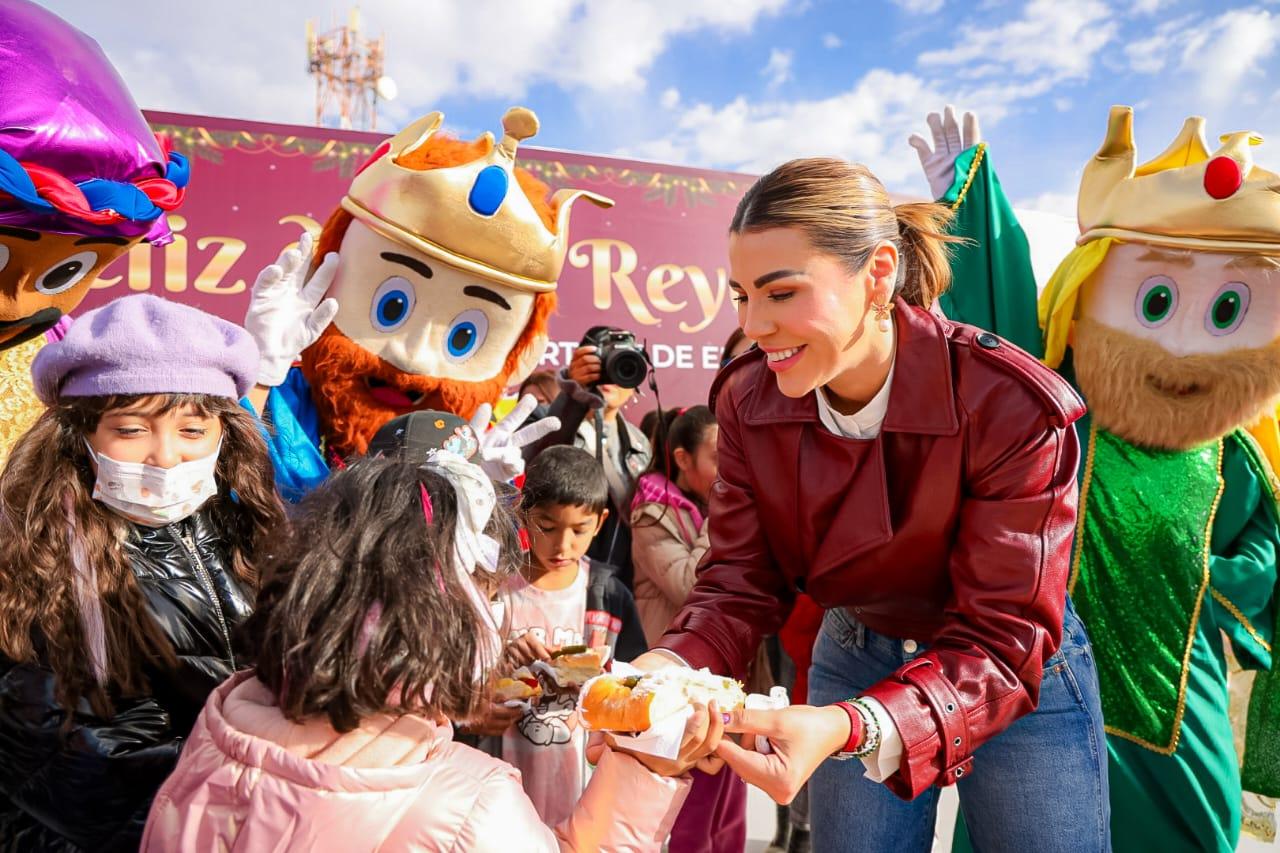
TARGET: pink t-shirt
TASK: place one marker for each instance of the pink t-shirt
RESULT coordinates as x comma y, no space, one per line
546,745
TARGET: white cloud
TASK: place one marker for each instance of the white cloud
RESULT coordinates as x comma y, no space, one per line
1228,48
670,98
994,71
831,41
1146,7
919,7
1221,54
1151,54
1164,46
1051,39
868,123
248,58
778,69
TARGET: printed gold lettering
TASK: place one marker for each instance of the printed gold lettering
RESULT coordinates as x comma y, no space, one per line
598,254
209,280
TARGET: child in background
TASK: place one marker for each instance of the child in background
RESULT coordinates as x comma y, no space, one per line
372,632
132,514
669,537
668,515
543,385
562,598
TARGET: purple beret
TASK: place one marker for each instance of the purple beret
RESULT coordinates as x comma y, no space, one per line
142,344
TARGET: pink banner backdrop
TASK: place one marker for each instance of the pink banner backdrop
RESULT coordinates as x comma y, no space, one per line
654,264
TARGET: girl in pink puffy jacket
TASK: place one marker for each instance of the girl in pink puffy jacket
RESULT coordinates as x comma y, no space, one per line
371,633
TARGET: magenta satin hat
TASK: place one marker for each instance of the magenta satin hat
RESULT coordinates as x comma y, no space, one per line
76,154
142,344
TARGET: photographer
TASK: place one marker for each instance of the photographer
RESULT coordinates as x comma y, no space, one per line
600,380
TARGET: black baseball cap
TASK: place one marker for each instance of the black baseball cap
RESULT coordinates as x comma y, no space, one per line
418,433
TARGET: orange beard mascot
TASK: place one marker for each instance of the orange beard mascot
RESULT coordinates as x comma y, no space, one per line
440,270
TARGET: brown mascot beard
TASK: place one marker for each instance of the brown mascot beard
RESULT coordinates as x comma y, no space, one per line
342,373
1140,392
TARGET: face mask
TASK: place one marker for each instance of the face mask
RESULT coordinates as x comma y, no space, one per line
155,496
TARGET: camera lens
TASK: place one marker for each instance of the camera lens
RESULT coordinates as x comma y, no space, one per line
626,368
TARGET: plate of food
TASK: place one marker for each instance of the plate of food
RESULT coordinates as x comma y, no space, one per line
568,670
520,688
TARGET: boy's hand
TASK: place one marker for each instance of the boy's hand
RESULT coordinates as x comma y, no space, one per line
495,721
525,650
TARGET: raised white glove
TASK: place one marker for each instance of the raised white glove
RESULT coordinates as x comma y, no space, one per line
286,313
939,162
500,448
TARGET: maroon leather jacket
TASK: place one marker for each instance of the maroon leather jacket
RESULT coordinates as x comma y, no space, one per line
954,525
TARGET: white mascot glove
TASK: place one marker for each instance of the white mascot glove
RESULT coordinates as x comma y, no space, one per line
286,313
500,453
939,162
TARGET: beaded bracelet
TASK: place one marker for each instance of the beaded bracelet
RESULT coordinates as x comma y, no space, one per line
871,727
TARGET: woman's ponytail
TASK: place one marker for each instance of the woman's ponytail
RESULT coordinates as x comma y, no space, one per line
924,267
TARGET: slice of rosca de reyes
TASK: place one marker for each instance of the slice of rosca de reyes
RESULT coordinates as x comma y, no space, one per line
634,703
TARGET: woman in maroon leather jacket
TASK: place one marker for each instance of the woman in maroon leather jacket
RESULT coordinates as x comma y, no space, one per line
916,477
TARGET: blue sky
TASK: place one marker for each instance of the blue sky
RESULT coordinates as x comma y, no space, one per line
743,84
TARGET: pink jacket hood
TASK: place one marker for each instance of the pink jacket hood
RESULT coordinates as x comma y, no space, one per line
250,780
655,487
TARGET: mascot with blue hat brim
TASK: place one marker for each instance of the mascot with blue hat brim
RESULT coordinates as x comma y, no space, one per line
431,288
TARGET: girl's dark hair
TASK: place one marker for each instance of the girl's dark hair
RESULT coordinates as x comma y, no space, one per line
649,423
845,212
361,611
683,429
46,502
736,337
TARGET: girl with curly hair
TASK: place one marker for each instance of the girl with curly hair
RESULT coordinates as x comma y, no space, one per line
132,514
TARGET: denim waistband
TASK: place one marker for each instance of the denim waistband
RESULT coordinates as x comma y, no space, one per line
848,630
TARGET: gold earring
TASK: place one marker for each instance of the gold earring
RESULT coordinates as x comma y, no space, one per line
884,313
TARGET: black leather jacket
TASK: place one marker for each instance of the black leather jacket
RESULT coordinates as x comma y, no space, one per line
89,786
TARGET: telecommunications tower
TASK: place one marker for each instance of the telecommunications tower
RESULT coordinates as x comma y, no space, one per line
348,71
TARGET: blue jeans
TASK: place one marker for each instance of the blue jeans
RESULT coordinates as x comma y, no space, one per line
1039,786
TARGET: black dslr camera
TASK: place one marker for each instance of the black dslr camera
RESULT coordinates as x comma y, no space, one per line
623,362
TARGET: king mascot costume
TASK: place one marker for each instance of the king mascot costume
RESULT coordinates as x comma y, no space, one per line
431,289
1166,316
82,180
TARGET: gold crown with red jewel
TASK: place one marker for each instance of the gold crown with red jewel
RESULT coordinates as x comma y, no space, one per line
473,216
1186,197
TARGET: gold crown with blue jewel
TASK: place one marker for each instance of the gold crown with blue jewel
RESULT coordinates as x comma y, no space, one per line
1187,197
472,216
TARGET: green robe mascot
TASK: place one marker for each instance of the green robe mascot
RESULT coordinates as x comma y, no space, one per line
1166,316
